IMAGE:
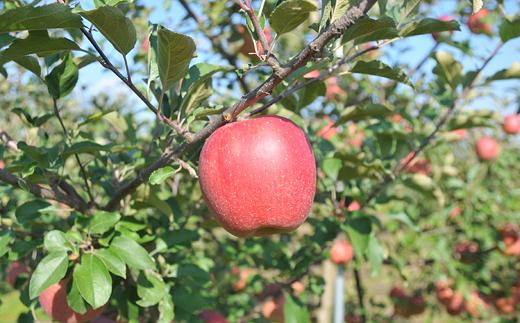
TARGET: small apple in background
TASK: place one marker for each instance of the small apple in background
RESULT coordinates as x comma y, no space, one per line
242,275
477,22
341,252
272,309
460,134
2,164
146,45
443,18
417,304
505,305
212,316
54,302
407,305
417,165
333,91
328,131
312,74
475,305
455,306
354,206
373,54
248,48
15,269
511,124
258,176
297,287
511,238
355,136
455,212
443,291
466,252
487,148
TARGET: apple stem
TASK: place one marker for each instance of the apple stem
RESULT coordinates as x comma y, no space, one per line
339,292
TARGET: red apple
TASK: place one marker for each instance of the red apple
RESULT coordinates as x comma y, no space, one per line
2,164
443,292
417,165
455,213
466,252
354,206
242,275
312,74
477,22
341,252
356,137
417,304
455,306
511,124
14,270
272,309
248,48
258,176
475,305
460,134
212,316
298,287
443,18
329,130
505,305
333,90
54,303
487,148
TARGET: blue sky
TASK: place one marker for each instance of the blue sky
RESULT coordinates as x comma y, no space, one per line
416,48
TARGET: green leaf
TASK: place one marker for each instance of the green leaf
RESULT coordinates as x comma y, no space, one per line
56,241
375,254
36,43
408,7
112,261
103,221
160,175
379,68
448,69
74,299
30,210
49,271
93,280
175,52
359,230
62,78
367,29
84,147
112,23
166,313
340,9
100,3
510,29
50,16
293,312
428,26
310,93
5,239
290,14
507,74
355,113
150,288
132,253
30,63
331,167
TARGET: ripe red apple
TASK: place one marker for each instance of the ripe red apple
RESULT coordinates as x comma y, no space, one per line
212,316
298,287
15,269
487,148
460,134
505,305
456,304
511,124
2,164
509,234
417,165
341,252
333,90
329,130
477,22
455,213
475,305
443,292
312,74
272,309
417,304
242,275
258,176
54,303
466,252
443,18
354,206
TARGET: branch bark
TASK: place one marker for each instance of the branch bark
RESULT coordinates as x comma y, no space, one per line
311,50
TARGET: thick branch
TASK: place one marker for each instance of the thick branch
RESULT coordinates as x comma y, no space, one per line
313,48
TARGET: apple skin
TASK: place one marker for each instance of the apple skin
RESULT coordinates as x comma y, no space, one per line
328,131
487,148
14,270
211,316
248,48
476,22
258,176
341,252
54,303
456,304
272,309
511,124
506,305
443,18
475,305
460,134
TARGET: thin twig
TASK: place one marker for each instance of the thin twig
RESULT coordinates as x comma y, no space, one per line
8,141
360,294
81,167
215,43
105,62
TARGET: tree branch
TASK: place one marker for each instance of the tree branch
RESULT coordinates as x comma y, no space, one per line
217,45
105,62
312,49
8,141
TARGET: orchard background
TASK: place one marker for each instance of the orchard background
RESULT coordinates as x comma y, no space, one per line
411,108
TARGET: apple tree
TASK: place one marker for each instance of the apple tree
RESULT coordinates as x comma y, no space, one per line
238,161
